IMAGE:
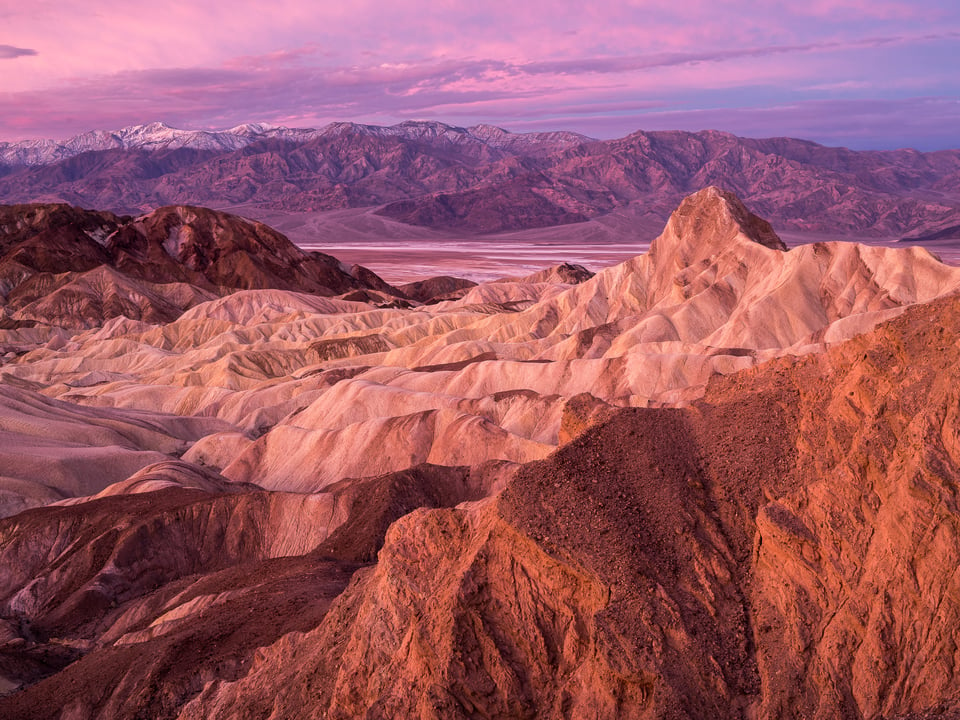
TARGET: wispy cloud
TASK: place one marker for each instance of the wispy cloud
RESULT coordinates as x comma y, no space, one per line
924,123
663,60
8,52
600,69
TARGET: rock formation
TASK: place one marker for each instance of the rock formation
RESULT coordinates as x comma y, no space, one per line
66,267
718,480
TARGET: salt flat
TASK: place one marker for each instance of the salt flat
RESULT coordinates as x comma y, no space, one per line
402,253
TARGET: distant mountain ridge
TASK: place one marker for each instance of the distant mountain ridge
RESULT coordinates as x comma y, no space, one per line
484,179
160,136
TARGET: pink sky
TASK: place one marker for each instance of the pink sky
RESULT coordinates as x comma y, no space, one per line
851,72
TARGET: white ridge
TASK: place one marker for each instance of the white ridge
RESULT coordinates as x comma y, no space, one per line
161,136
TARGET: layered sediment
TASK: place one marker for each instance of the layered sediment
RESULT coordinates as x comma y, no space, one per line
718,480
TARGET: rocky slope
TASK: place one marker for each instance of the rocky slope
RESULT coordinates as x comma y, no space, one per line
717,480
770,551
67,267
315,389
484,179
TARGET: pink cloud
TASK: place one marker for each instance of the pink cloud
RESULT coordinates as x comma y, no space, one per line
856,9
8,52
105,63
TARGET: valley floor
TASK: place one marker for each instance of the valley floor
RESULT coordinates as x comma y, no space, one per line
402,253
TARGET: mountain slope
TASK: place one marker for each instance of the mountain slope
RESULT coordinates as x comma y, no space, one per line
717,480
64,266
437,175
717,561
160,135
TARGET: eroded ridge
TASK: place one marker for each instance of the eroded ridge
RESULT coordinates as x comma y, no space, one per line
718,480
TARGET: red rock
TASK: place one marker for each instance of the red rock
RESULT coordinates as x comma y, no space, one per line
779,543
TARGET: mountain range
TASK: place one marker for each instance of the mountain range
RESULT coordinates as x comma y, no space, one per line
484,179
718,480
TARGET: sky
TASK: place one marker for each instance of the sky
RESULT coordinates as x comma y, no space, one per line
866,74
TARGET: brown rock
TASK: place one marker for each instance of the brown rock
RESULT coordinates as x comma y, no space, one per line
581,412
75,268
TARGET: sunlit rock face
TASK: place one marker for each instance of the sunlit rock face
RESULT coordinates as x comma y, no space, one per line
717,480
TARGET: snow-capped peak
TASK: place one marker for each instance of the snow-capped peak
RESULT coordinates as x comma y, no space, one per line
159,135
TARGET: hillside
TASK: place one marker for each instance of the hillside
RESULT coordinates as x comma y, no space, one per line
718,480
63,266
486,180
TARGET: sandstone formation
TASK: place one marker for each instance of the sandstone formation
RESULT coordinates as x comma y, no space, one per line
442,287
316,389
717,480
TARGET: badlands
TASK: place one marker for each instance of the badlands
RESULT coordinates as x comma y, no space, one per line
241,480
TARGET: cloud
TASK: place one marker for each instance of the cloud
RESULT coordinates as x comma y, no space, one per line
753,88
8,52
217,97
465,92
923,123
664,60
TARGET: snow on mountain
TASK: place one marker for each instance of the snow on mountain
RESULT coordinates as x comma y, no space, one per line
488,135
152,136
32,152
160,136
527,143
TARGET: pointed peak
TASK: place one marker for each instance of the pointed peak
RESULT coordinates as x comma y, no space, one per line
152,127
485,130
253,128
710,222
714,215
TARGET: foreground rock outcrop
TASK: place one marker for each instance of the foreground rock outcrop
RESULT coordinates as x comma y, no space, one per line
782,548
719,480
68,267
